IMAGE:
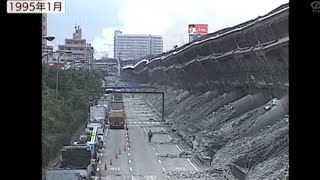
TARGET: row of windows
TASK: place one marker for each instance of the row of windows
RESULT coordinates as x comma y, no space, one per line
74,49
137,45
73,41
137,41
140,37
142,40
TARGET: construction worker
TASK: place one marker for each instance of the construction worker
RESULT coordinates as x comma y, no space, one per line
149,135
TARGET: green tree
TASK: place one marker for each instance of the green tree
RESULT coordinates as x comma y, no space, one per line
61,117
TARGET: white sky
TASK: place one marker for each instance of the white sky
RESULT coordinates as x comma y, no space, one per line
169,18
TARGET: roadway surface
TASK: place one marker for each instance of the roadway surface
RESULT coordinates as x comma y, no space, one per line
127,154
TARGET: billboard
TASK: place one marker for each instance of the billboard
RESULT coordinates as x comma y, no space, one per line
198,29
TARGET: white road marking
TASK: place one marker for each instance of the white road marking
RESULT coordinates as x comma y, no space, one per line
101,154
134,122
159,161
193,165
129,153
132,176
156,154
115,169
145,130
153,148
130,168
168,177
163,169
169,137
163,129
129,161
128,149
178,148
102,149
100,162
98,169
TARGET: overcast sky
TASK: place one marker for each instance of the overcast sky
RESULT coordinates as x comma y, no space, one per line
169,18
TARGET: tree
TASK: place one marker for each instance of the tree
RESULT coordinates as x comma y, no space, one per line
61,117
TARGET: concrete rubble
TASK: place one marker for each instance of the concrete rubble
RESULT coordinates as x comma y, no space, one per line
253,147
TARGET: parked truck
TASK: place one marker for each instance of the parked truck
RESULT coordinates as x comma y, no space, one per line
116,119
117,96
116,105
97,113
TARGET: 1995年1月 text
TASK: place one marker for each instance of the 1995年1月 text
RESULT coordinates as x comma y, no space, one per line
35,7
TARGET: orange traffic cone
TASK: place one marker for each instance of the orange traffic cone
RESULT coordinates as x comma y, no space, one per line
105,166
110,161
119,151
116,155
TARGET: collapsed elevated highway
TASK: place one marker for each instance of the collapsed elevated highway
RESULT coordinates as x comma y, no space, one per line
252,56
229,89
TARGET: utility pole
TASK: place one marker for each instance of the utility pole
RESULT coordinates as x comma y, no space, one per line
119,60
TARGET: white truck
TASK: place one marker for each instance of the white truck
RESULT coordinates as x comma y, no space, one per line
97,113
91,125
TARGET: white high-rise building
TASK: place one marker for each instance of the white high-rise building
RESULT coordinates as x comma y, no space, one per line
128,47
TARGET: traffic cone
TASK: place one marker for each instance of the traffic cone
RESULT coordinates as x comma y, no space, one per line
116,155
110,161
105,166
119,151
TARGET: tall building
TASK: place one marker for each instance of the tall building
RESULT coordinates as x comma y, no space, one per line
128,47
81,51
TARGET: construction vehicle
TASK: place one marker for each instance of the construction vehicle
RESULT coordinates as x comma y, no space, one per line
116,119
117,96
116,105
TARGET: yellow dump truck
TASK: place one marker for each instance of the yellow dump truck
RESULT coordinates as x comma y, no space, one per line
116,119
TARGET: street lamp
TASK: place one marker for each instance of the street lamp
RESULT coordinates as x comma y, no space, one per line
57,77
48,38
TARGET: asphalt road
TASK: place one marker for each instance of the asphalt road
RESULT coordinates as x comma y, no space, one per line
129,155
